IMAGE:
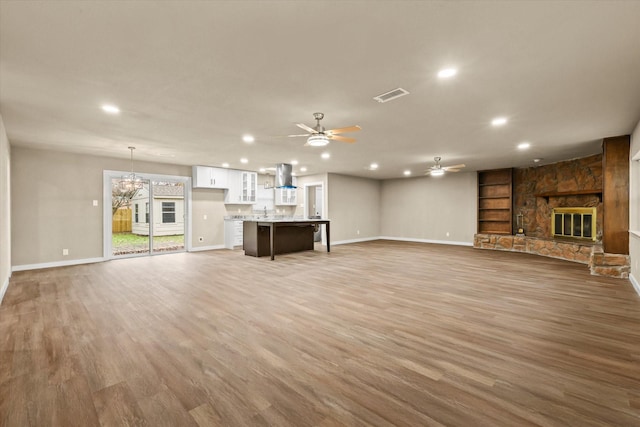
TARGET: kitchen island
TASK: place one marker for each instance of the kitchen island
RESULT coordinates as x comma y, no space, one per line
263,237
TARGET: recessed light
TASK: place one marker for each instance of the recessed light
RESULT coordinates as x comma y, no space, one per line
110,109
373,166
523,146
248,139
537,160
294,162
225,165
303,169
293,174
499,121
446,73
325,155
262,170
407,173
244,160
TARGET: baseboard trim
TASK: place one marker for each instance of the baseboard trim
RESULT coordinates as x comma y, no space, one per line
437,242
346,242
26,267
402,239
634,283
207,248
4,288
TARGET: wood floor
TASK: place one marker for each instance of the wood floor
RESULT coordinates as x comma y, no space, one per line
379,333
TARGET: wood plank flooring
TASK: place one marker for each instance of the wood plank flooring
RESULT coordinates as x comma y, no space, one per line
372,334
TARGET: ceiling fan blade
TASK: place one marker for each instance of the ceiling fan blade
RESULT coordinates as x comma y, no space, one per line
303,134
307,128
341,138
460,166
452,170
343,130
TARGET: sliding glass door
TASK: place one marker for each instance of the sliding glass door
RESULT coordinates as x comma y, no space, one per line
146,220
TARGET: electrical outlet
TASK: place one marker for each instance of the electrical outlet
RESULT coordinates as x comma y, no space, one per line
95,203
358,232
204,217
65,252
201,239
447,234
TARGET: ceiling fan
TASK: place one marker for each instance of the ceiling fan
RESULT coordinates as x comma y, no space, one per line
439,170
319,137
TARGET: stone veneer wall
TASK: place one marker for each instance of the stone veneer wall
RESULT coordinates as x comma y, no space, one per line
571,175
600,263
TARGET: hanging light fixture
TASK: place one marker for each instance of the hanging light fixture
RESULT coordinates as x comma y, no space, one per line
131,182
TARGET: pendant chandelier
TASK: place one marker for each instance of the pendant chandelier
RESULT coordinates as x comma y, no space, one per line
131,182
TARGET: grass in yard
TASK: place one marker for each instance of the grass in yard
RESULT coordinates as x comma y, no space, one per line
129,243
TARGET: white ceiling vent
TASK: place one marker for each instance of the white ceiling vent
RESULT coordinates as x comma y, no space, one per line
393,94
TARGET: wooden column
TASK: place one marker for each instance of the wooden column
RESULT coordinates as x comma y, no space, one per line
615,194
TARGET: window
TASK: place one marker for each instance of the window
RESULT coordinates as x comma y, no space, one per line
146,213
137,206
168,212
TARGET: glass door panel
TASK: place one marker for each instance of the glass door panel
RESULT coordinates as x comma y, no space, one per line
130,219
169,215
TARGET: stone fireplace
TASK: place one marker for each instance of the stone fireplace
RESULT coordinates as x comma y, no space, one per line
570,184
560,209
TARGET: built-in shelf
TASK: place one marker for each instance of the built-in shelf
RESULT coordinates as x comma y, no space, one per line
570,193
495,202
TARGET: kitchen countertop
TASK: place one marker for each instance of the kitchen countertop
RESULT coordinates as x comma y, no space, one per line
290,220
269,218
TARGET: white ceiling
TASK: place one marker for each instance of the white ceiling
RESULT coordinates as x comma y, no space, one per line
192,77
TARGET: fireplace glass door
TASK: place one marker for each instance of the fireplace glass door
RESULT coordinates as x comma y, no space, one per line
576,223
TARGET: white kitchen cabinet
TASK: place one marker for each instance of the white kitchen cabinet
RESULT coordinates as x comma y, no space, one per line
286,196
210,177
233,233
243,188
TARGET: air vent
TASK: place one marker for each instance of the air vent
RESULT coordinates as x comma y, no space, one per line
393,94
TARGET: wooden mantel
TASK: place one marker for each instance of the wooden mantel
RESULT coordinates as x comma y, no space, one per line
548,194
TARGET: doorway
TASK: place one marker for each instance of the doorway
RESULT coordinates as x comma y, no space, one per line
314,207
146,220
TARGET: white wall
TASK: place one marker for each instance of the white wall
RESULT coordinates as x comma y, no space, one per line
427,208
51,204
5,211
634,208
353,208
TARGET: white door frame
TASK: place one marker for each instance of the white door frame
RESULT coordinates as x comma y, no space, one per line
323,214
107,223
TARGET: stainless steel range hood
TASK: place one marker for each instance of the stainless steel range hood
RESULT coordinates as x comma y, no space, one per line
283,176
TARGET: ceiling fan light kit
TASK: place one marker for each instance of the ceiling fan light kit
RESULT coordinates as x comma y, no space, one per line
319,137
318,140
439,170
